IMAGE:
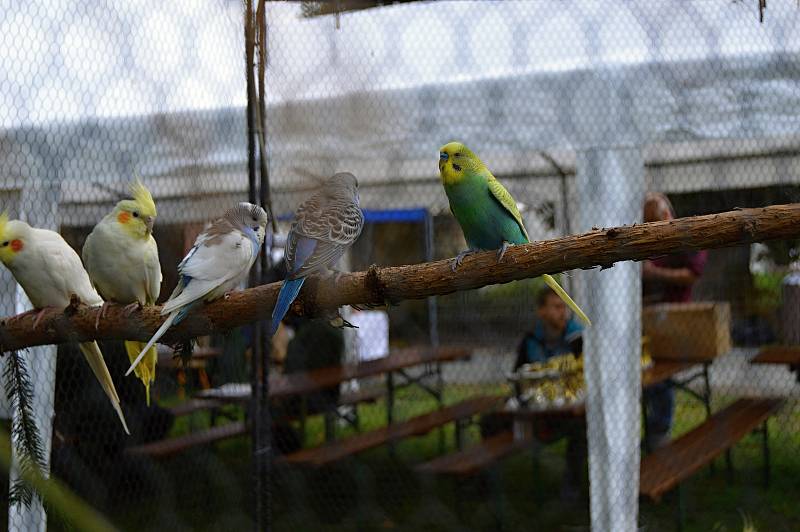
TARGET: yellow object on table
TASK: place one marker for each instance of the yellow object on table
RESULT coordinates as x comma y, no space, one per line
559,381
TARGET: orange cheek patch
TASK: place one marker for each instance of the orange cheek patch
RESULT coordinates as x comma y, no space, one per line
123,217
17,245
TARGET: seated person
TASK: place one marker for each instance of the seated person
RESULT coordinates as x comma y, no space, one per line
665,280
554,333
315,345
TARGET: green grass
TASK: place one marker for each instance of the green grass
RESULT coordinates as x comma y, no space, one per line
210,488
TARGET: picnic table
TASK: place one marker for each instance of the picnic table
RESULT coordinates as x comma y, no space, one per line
659,371
167,359
394,367
780,354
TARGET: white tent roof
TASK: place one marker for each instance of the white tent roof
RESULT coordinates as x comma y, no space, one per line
379,95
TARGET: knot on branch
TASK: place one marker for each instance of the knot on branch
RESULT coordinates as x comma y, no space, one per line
376,288
750,227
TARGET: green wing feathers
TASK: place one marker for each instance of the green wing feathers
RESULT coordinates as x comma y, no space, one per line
553,284
507,201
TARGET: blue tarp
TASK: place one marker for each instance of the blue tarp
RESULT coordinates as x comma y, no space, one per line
383,216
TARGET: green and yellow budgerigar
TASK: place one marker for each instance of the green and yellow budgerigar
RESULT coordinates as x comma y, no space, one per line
121,257
486,212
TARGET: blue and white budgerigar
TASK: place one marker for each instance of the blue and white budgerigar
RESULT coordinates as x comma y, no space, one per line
324,227
50,272
121,257
485,210
218,262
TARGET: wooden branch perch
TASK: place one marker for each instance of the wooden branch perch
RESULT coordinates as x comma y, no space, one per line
600,247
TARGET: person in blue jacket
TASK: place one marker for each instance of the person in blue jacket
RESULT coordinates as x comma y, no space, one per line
556,332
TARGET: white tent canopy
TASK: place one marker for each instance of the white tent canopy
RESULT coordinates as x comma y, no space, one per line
607,86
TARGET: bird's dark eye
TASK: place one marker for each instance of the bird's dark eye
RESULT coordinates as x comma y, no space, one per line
456,167
457,154
255,219
135,214
5,244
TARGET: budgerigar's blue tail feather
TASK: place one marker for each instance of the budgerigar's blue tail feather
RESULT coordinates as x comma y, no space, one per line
183,312
289,291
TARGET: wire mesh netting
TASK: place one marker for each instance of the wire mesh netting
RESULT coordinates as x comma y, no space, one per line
479,410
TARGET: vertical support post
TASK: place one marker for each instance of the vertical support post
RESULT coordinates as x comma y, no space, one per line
765,443
39,207
433,323
389,398
261,422
611,190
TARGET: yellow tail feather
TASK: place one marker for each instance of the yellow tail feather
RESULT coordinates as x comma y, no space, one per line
146,370
552,283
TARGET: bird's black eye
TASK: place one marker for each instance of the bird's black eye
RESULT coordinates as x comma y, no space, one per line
456,167
5,244
135,214
457,154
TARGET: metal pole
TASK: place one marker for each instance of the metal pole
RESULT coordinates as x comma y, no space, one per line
260,481
265,425
433,311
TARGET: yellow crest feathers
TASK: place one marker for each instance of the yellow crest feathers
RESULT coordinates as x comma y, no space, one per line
143,197
3,222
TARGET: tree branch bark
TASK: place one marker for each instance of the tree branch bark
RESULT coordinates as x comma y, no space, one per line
600,247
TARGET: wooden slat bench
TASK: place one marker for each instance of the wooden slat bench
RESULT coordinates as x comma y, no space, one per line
476,457
168,447
333,451
194,405
668,466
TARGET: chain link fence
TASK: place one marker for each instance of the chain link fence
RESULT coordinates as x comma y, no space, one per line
582,109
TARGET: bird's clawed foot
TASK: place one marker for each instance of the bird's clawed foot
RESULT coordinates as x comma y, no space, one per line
460,257
336,274
127,310
39,315
340,323
100,315
74,305
502,251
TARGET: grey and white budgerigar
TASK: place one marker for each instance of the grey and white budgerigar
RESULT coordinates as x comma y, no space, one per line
324,227
218,262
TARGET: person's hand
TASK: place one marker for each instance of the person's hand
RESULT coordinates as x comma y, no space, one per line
649,270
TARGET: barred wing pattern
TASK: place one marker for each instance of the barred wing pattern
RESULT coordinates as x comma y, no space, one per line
324,228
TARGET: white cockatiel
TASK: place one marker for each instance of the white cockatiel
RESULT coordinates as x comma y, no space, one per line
50,272
217,263
121,257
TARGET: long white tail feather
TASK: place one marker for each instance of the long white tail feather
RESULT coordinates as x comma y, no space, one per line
553,284
159,333
94,357
196,289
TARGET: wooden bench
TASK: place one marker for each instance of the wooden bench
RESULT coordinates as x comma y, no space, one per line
194,405
476,457
333,451
171,446
668,466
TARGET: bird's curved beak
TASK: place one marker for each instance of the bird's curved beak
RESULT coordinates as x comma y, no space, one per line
149,221
442,159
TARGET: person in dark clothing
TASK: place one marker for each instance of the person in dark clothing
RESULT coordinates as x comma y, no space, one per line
665,280
555,333
316,344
